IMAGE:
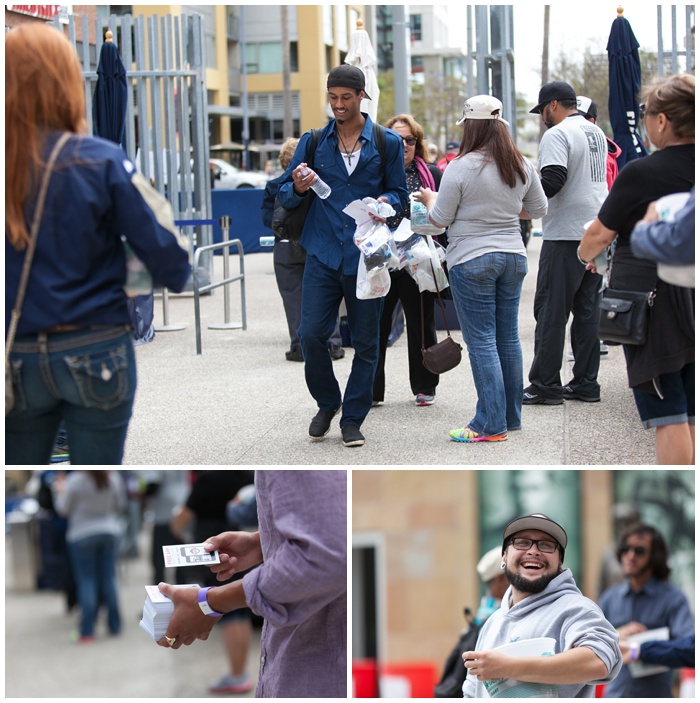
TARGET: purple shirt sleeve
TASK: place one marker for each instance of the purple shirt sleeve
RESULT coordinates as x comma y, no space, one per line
303,533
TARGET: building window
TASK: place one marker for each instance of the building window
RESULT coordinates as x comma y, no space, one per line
416,24
266,57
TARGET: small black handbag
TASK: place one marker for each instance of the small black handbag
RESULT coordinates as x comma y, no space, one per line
624,316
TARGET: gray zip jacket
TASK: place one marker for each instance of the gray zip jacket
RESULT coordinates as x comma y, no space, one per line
561,611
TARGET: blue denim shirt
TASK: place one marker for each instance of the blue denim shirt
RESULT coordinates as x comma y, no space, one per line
79,267
328,232
657,604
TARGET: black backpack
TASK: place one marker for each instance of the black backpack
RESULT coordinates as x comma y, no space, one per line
289,224
455,673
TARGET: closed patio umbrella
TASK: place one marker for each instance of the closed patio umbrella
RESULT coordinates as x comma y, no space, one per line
625,74
109,122
361,54
109,99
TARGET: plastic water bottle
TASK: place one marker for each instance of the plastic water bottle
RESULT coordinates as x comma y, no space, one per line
321,188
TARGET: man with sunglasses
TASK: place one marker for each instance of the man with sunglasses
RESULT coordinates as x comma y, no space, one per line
543,601
645,601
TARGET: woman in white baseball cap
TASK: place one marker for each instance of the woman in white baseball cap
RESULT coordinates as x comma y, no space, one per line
489,186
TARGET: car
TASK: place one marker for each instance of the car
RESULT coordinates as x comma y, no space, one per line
229,177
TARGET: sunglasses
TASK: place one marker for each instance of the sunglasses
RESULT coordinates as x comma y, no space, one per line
638,551
410,141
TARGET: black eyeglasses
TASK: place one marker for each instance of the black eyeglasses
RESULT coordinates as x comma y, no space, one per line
543,545
638,551
410,141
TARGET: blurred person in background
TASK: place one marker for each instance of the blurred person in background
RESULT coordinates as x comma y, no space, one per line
660,371
624,516
432,153
73,357
92,502
487,189
646,600
404,289
299,586
164,492
492,576
666,241
450,152
205,513
675,654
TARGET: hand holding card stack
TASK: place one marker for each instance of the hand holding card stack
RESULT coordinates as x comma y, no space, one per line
157,611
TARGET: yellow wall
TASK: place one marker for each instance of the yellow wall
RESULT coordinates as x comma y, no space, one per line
309,81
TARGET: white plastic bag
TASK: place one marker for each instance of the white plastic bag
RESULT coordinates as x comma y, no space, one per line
422,271
371,284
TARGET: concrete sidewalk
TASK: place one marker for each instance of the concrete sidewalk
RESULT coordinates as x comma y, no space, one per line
42,660
242,403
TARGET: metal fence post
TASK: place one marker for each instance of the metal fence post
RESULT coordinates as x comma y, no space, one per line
225,224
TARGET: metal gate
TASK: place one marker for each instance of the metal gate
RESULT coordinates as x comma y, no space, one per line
166,123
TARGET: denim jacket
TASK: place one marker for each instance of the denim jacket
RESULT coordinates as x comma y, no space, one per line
328,232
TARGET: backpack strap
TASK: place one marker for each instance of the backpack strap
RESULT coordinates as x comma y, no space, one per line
311,153
380,139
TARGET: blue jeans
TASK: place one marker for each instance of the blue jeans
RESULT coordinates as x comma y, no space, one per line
322,291
86,378
94,560
486,293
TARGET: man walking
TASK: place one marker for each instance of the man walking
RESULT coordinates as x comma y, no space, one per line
645,601
543,601
572,161
349,160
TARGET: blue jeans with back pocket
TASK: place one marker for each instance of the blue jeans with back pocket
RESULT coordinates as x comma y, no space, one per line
85,378
486,292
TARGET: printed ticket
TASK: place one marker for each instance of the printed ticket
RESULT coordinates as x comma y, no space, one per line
189,555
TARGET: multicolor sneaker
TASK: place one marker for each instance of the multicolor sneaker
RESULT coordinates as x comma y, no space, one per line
425,399
232,684
60,453
464,434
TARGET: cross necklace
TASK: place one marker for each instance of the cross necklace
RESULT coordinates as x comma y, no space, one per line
349,153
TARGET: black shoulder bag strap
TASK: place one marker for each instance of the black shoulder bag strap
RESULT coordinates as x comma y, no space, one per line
380,139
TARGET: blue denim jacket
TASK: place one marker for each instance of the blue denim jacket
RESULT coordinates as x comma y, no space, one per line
328,232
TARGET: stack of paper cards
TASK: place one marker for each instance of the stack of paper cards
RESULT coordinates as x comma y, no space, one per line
157,611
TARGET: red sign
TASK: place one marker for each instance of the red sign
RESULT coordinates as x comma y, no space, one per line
45,12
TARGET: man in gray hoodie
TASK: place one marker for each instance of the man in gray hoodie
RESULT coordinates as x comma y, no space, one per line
543,601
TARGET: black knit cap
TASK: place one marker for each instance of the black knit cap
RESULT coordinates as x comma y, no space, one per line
346,76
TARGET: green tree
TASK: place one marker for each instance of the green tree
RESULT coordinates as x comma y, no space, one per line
437,105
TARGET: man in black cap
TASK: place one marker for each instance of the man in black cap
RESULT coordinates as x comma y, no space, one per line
543,601
572,162
348,159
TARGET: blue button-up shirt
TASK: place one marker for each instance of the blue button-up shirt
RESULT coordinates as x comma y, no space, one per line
328,232
656,604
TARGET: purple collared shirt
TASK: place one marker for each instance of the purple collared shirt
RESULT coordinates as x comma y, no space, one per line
301,587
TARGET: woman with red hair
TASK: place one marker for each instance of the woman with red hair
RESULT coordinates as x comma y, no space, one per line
72,360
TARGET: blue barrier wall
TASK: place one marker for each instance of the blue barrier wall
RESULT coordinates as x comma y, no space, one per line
243,207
